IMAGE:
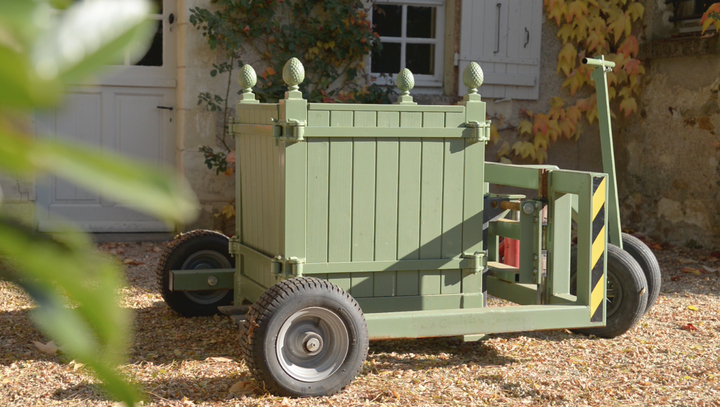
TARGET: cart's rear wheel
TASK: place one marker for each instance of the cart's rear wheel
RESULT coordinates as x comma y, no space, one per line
648,263
196,250
626,297
305,337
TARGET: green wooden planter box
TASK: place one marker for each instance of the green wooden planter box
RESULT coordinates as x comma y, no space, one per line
391,204
386,202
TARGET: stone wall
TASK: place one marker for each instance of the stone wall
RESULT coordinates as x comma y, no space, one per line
196,125
669,177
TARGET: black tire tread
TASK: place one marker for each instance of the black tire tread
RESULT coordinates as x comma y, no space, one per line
262,310
621,322
649,264
163,278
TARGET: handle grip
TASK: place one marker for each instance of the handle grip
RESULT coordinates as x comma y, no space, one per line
598,62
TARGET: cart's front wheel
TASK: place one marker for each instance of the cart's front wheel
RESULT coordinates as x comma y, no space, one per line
626,296
305,337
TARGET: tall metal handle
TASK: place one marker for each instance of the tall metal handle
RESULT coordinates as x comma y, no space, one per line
497,33
527,37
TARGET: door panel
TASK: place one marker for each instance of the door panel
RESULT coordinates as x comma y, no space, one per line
119,120
118,113
140,125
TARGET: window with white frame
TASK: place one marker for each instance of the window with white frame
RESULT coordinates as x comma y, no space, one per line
412,35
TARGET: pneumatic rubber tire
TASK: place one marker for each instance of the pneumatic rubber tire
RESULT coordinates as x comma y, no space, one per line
305,337
626,293
195,250
648,263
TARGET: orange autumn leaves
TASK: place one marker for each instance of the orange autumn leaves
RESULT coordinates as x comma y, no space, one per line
711,17
587,28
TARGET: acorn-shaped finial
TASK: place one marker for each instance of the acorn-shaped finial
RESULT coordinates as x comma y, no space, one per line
247,78
473,77
405,81
293,73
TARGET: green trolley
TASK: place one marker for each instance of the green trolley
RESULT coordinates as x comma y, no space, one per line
366,222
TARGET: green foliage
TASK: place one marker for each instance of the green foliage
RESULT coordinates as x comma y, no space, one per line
41,50
330,37
217,160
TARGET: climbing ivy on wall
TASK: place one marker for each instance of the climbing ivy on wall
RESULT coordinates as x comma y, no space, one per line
330,37
587,28
711,17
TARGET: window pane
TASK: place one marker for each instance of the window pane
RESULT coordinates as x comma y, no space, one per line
421,22
154,55
387,60
701,6
420,58
387,20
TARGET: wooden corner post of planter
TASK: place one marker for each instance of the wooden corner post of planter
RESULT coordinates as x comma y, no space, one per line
293,118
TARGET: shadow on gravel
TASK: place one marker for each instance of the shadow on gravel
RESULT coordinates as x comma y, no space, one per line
198,390
162,336
83,392
17,333
161,391
558,335
413,354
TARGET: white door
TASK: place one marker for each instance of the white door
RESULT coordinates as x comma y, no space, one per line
127,111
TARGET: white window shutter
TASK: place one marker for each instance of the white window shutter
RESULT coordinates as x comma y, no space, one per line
503,36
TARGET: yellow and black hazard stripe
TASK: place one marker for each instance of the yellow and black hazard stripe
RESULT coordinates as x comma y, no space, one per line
598,249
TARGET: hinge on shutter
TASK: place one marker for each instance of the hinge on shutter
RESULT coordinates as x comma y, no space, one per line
481,130
456,59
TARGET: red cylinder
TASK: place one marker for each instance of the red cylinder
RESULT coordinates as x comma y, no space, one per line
511,251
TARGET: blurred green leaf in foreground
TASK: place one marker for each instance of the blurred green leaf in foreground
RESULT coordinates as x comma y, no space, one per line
44,45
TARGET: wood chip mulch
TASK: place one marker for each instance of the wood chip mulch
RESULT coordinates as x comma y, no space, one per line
671,358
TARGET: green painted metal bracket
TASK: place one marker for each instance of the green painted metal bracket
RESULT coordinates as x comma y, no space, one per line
420,324
200,280
474,262
294,267
521,176
591,235
290,131
559,236
532,238
256,129
278,266
519,293
481,131
504,272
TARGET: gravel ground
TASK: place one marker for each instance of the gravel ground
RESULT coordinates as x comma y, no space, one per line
671,358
